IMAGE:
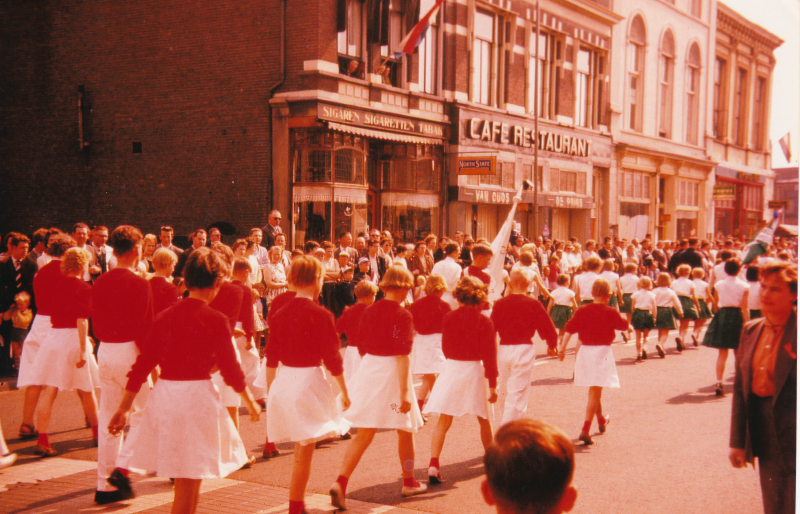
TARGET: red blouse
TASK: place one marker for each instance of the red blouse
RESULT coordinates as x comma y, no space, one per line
123,307
165,294
74,302
278,302
468,335
595,324
428,314
187,341
246,313
45,287
386,330
229,302
474,271
518,317
302,335
349,321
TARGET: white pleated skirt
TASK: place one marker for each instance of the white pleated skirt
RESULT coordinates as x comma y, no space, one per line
39,329
428,355
375,397
459,390
230,398
261,378
351,361
54,364
301,407
595,367
186,432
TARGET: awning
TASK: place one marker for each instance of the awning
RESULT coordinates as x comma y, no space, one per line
410,200
786,231
326,193
379,134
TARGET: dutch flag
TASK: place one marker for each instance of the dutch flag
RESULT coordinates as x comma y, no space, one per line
414,38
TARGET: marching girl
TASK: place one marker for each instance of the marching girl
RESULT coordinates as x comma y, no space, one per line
561,309
468,344
616,288
382,391
629,283
583,283
686,291
300,405
186,433
666,300
595,324
703,292
754,301
428,313
643,305
61,361
348,324
246,323
731,295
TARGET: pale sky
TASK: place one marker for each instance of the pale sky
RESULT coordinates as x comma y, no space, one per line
782,18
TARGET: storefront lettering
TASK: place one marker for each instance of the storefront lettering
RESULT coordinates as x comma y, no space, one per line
520,135
387,122
568,202
431,130
369,119
341,114
492,196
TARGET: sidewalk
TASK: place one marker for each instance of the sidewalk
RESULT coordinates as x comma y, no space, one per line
58,485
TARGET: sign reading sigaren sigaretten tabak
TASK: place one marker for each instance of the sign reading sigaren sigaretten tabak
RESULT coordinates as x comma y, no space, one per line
381,121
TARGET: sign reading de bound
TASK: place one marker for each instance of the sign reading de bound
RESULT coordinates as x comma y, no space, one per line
477,165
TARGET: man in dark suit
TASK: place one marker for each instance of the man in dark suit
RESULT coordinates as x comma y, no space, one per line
345,240
272,228
166,235
764,417
610,251
198,238
16,275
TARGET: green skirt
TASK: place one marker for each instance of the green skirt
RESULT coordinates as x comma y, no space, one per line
688,306
755,313
642,319
665,319
560,314
626,302
705,312
725,329
614,301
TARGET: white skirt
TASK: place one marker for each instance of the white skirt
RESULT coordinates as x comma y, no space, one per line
459,390
230,398
39,330
595,367
428,355
186,432
375,397
54,364
352,359
301,407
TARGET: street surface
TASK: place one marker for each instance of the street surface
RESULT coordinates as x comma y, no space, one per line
665,451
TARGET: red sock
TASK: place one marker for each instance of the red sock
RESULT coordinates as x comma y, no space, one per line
124,472
94,431
601,420
434,463
269,447
420,403
296,507
587,425
342,480
43,440
410,482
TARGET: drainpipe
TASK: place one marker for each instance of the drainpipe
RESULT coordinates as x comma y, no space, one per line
276,85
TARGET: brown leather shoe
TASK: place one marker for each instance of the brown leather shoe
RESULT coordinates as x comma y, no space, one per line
587,440
602,427
44,451
27,431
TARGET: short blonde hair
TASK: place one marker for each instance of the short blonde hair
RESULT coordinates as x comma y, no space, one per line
434,284
698,273
163,257
471,291
242,265
609,265
663,280
645,283
397,277
520,276
593,263
683,270
305,271
601,288
75,259
365,289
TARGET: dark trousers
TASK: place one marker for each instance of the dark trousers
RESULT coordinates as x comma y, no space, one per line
776,471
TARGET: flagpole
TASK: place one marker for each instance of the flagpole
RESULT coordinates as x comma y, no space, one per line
536,126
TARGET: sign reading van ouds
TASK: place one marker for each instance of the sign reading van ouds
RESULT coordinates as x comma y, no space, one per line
477,165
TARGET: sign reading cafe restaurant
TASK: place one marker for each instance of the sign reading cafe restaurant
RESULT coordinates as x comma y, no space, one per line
520,135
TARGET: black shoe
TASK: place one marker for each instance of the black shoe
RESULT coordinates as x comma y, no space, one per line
106,497
679,344
644,354
625,337
719,391
661,352
122,483
694,340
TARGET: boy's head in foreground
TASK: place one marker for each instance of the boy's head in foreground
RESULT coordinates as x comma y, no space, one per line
529,469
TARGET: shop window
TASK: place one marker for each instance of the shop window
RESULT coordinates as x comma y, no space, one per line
409,167
409,223
322,156
635,90
350,25
634,220
686,225
493,180
719,128
429,52
635,185
752,198
740,106
758,113
665,85
692,93
567,181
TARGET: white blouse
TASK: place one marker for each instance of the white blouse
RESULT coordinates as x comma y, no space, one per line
563,296
630,283
683,286
584,282
644,299
700,288
666,297
731,291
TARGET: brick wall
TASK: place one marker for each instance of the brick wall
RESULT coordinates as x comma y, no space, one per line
188,80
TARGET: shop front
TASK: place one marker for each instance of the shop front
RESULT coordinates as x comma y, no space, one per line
355,169
738,203
570,183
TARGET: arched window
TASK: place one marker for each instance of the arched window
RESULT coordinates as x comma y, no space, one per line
665,85
636,40
692,93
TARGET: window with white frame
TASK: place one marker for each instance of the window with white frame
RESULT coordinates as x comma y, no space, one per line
635,86
349,40
759,99
665,85
391,70
635,185
483,59
740,106
584,89
688,193
548,63
429,52
692,93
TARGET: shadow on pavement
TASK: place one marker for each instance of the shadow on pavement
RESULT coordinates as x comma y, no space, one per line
54,500
551,381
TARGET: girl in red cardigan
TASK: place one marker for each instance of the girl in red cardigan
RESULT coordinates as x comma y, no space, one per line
468,343
595,324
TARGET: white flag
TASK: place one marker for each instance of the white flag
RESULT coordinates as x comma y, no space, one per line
499,248
786,146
